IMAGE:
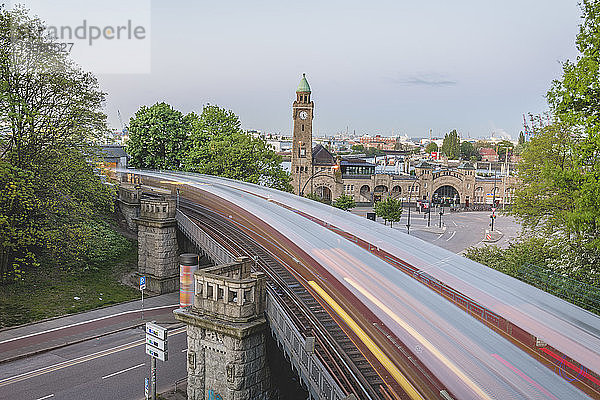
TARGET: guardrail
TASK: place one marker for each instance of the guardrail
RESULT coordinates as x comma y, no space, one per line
310,369
213,250
300,352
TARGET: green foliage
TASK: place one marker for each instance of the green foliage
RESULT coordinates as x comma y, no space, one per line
373,151
431,146
49,291
47,103
344,202
550,263
219,147
50,113
544,200
358,149
451,145
158,137
575,102
467,151
315,197
389,209
503,149
19,209
212,143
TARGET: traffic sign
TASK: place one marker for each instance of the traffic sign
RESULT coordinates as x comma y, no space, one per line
142,282
156,353
155,342
156,330
146,387
493,209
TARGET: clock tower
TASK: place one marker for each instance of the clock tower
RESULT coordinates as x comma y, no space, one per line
302,114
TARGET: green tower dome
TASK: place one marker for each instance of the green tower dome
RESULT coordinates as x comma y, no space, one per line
303,86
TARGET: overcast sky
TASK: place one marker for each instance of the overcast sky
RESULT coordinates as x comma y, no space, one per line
378,67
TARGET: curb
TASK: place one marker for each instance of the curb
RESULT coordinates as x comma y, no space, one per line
496,236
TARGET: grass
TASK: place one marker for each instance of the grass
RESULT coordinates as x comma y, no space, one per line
50,291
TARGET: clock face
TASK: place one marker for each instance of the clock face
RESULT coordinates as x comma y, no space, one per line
303,115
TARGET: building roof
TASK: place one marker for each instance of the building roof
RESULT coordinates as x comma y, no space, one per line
466,165
356,163
322,156
487,151
303,87
424,164
112,151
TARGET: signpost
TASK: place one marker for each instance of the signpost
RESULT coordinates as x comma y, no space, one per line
142,287
156,347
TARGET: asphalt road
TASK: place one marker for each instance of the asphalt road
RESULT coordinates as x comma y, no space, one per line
110,367
459,230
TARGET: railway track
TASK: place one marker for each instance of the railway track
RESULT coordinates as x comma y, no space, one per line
336,350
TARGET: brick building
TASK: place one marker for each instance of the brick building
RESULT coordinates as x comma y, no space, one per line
316,170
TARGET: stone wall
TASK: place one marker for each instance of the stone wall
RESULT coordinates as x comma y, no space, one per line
226,334
157,245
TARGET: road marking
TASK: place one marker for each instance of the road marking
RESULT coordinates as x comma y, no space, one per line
184,350
455,224
451,236
420,338
85,322
375,350
439,237
125,370
78,360
46,397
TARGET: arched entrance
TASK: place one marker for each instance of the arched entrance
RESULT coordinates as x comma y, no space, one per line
378,192
446,195
324,193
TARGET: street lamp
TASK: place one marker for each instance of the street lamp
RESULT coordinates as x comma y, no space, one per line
409,197
317,174
493,217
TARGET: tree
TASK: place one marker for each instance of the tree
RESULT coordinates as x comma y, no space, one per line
315,197
431,147
504,149
451,145
467,151
344,202
50,114
389,209
548,198
358,148
521,138
158,137
218,146
561,163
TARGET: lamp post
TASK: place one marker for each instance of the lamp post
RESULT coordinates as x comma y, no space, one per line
409,197
317,174
492,217
441,213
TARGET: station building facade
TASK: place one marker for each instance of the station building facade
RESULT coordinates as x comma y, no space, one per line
316,170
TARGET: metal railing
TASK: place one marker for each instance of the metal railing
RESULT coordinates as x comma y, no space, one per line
579,293
311,370
217,253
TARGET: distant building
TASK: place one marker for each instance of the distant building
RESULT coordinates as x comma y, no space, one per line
488,154
379,142
316,170
113,156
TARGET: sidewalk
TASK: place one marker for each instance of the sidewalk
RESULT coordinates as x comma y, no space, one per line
26,340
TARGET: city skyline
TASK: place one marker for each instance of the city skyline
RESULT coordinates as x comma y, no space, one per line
384,68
